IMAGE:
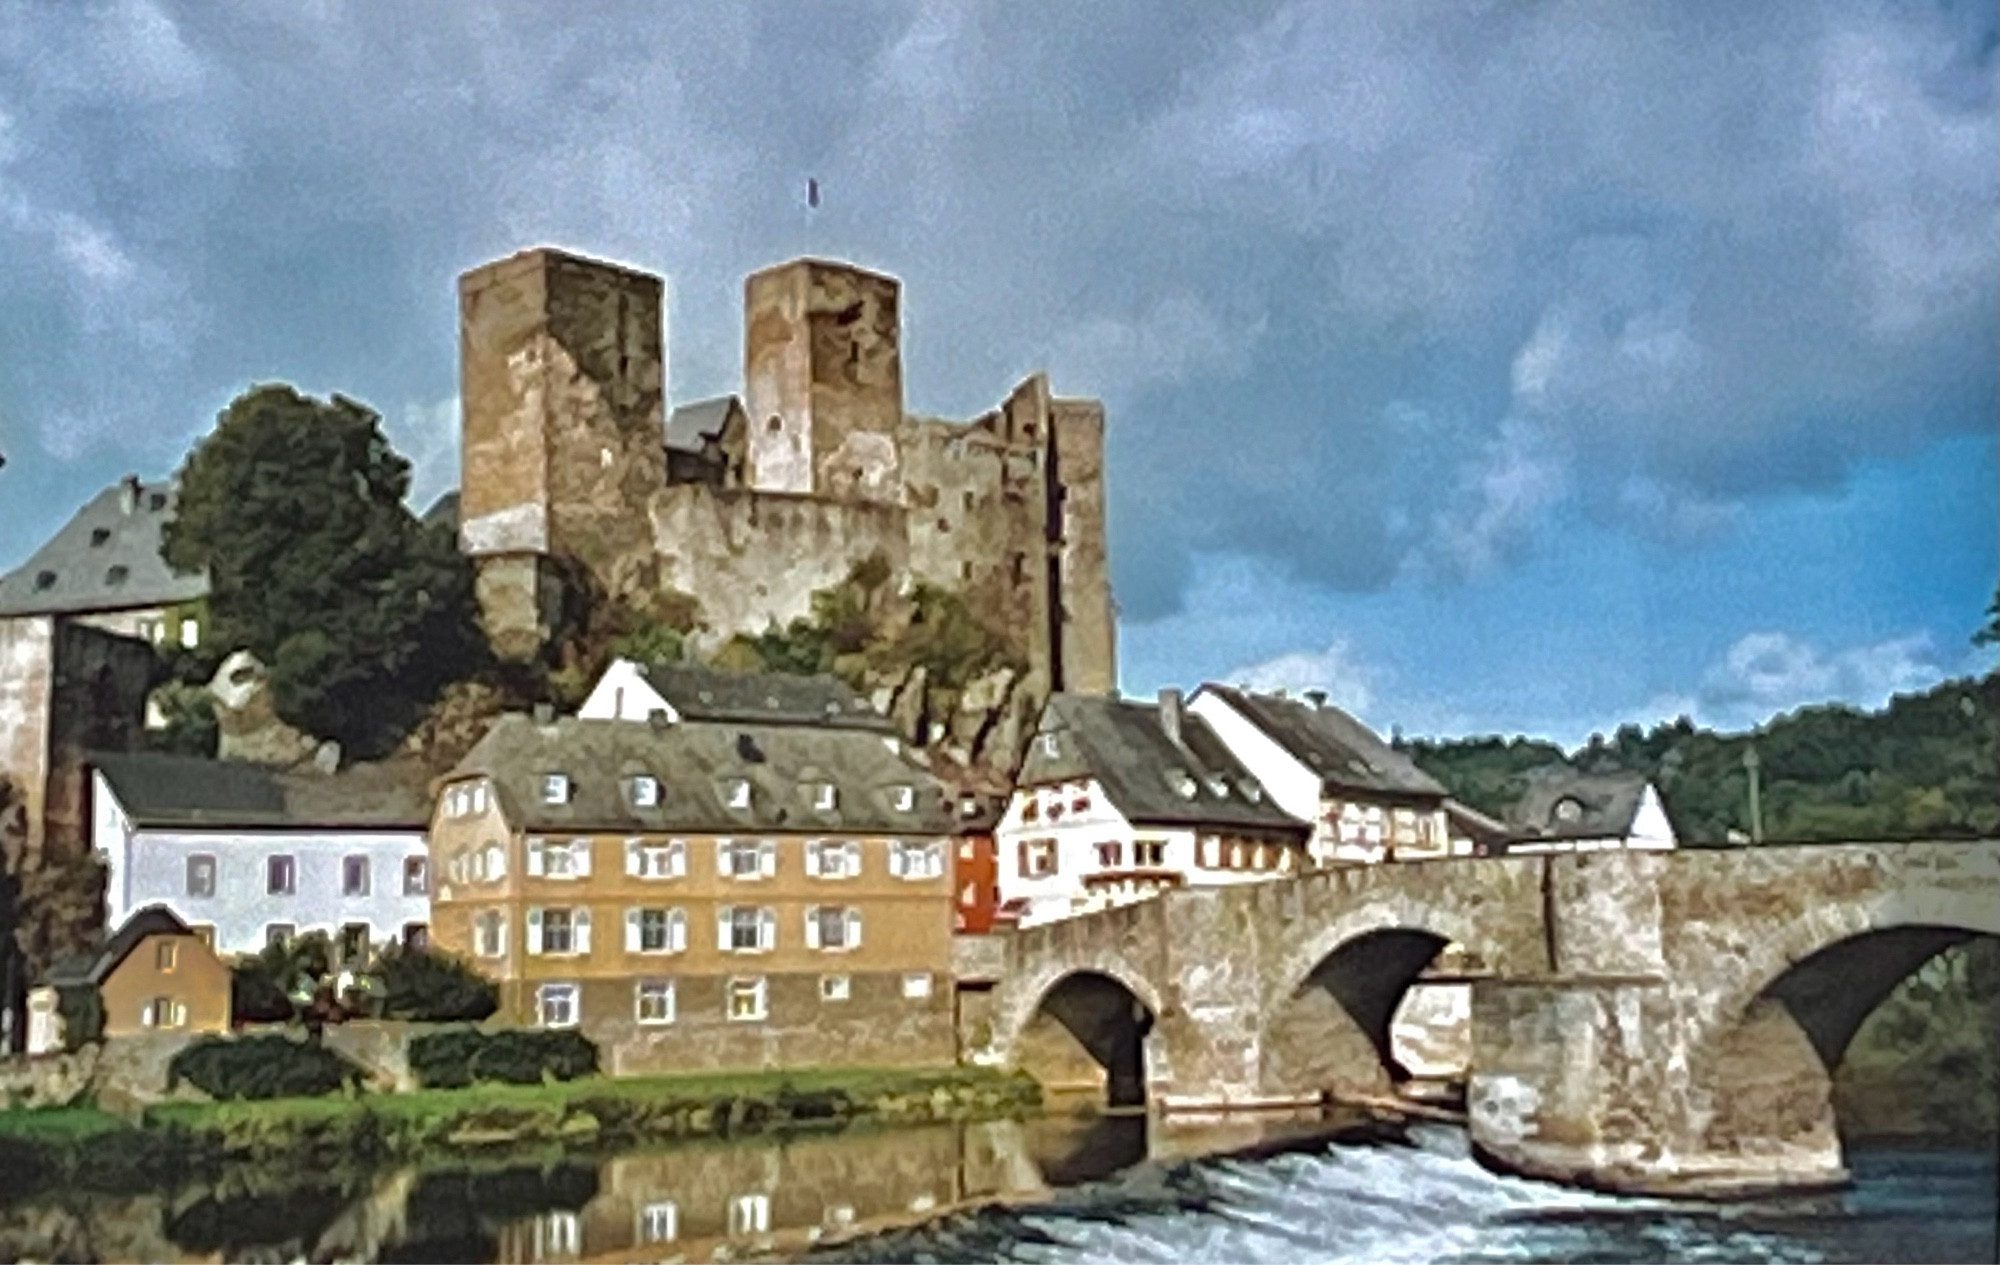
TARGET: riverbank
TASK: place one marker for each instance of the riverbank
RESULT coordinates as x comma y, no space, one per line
86,1147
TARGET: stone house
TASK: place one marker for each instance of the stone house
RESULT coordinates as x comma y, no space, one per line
703,893
154,974
1567,811
246,855
1367,802
1118,799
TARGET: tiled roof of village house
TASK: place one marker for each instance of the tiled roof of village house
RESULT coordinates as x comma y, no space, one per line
1605,804
1149,778
153,920
1345,753
172,790
105,558
690,424
704,693
694,763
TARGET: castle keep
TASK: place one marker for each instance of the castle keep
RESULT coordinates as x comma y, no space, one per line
750,503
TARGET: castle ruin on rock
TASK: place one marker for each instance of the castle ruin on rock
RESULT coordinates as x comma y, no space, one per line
750,503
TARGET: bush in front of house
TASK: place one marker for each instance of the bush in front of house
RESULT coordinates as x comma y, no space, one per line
260,1067
428,986
82,1011
518,1056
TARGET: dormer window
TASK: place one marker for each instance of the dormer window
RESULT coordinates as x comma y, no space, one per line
1183,783
736,792
645,791
1569,810
1218,786
904,798
44,580
555,788
825,797
116,573
1050,747
99,537
1251,789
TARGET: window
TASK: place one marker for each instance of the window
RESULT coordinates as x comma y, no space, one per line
653,1001
833,927
491,864
1110,855
645,791
165,954
1211,852
279,933
558,931
416,876
1149,853
164,1012
1079,800
746,929
150,628
190,634
916,860
736,792
825,797
489,934
117,573
904,798
1038,857
834,988
416,936
1051,748
916,985
746,858
556,1234
559,860
281,876
555,788
353,942
832,858
746,998
749,1214
354,876
204,932
201,875
644,859
1235,856
655,930
659,1222
556,1006
99,537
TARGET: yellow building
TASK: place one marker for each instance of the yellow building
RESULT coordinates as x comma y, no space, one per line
702,894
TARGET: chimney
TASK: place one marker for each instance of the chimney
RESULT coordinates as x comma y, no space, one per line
1316,697
1170,714
128,493
545,714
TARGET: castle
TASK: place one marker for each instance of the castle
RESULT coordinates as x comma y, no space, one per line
751,503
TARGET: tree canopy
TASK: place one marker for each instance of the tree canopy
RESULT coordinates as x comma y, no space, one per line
295,508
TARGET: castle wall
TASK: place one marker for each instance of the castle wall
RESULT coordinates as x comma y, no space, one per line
753,558
27,685
1089,622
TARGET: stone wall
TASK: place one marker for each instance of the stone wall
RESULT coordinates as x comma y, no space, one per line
27,684
121,1074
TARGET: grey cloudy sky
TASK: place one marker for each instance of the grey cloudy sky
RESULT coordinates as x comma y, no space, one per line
1500,366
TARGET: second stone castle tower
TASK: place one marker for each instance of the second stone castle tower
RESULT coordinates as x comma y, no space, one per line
750,503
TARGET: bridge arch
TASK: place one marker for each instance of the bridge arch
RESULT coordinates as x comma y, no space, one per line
1777,1019
1082,1025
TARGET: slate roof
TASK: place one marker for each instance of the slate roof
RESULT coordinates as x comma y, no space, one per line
1146,774
694,762
443,511
105,558
1605,804
1347,755
703,693
171,790
153,920
690,424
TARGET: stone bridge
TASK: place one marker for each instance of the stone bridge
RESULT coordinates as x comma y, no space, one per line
1648,1021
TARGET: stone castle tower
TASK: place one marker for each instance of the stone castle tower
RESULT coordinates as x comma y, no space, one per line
751,503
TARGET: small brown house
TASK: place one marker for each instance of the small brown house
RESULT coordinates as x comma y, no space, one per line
154,975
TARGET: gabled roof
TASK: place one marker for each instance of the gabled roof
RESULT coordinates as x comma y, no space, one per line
153,920
1151,778
689,425
694,763
1347,755
696,692
443,511
172,790
105,558
1561,803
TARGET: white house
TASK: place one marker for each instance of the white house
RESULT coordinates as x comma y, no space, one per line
1117,800
246,855
1367,802
629,690
1567,811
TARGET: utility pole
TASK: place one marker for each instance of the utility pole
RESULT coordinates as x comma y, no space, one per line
1750,765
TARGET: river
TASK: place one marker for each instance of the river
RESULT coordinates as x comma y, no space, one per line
1050,1190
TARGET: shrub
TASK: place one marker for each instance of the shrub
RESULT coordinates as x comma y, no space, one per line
260,1067
425,985
82,1011
517,1056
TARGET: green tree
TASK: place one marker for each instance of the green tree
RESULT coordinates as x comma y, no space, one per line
427,985
1989,633
295,508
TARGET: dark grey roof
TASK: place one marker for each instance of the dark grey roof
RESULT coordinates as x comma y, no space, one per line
697,692
443,511
172,790
691,424
694,762
1599,805
1148,776
1476,825
153,920
1346,754
105,558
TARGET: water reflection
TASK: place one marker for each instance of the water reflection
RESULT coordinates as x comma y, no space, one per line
700,1201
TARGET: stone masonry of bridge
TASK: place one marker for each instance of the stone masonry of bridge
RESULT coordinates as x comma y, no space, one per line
1659,1022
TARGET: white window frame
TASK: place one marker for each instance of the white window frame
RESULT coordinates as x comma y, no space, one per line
917,985
579,931
766,922
749,1214
349,871
645,791
737,793
916,862
290,887
849,920
653,861
555,788
904,799
673,921
421,869
844,856
659,1222
729,855
661,990
826,797
489,933
757,987
546,995
557,1233
835,988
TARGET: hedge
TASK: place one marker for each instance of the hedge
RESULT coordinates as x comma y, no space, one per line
458,1057
260,1067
